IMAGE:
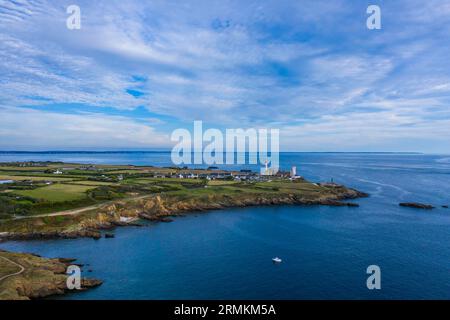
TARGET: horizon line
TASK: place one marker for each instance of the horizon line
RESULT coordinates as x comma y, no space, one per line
168,151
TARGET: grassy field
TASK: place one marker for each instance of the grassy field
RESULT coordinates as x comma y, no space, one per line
75,188
221,182
92,183
130,171
163,180
7,267
57,192
34,178
140,170
11,168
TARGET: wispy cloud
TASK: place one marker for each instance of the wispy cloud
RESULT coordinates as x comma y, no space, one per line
28,129
308,67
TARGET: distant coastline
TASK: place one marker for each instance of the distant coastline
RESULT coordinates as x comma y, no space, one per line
169,151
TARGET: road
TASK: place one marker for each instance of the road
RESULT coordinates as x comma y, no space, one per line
80,210
22,269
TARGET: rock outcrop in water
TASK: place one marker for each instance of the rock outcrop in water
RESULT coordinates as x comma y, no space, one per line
416,205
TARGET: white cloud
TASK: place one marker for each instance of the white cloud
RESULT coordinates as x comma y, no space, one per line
29,129
380,131
230,63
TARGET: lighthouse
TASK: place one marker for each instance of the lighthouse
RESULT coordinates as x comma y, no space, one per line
293,171
266,171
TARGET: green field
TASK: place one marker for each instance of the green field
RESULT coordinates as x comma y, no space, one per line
7,267
34,178
11,168
221,182
163,180
57,192
92,183
76,188
131,171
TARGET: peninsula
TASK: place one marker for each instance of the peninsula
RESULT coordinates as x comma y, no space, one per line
66,200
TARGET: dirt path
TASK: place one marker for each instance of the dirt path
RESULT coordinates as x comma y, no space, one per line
79,210
22,269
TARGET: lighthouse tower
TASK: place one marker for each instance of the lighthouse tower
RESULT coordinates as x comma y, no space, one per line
266,171
293,171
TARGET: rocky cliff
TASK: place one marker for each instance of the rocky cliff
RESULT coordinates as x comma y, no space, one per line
27,276
160,207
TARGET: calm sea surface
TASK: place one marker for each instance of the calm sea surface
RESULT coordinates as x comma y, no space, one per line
325,250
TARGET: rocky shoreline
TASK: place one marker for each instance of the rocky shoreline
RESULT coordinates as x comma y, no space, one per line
160,208
416,205
38,277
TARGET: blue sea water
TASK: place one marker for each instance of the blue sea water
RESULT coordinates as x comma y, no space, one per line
325,250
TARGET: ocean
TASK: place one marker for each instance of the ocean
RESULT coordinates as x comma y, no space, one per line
325,250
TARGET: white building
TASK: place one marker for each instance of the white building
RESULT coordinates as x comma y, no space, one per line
293,171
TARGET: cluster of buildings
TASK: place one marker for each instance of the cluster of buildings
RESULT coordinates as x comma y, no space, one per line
219,175
243,175
213,173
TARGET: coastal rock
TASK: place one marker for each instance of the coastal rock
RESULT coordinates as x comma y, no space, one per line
90,283
40,277
146,216
416,205
109,235
339,203
66,260
95,234
52,235
351,204
155,205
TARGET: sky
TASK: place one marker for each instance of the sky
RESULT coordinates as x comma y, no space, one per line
137,70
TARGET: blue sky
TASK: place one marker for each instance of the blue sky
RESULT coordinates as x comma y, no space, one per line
136,70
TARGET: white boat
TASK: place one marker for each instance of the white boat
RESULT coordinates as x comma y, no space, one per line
276,260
